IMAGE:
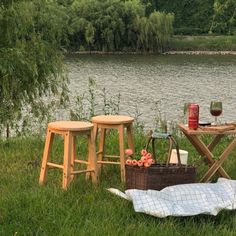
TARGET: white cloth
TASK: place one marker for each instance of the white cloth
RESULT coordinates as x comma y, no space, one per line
184,199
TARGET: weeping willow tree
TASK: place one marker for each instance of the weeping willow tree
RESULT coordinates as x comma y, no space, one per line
112,25
30,58
154,31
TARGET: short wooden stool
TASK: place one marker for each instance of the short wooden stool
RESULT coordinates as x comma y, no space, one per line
119,123
69,129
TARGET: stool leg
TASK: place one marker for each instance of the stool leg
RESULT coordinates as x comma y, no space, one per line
130,137
122,152
46,154
94,136
67,160
92,159
95,131
73,155
101,148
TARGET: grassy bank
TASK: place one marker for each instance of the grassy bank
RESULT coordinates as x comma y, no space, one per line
28,209
179,43
203,43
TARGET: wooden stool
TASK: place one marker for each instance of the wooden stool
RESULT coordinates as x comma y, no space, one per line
119,123
69,129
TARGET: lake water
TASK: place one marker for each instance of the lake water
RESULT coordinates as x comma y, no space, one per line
167,80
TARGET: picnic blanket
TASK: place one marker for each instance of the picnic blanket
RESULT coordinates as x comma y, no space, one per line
184,199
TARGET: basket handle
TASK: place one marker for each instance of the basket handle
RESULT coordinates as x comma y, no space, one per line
171,141
155,135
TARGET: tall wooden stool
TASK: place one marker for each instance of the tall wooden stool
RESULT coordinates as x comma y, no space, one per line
69,129
119,123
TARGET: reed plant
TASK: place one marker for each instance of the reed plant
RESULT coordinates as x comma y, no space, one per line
95,101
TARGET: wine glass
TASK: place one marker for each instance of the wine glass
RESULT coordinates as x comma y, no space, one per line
216,109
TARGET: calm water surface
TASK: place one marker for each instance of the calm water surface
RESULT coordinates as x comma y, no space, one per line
170,80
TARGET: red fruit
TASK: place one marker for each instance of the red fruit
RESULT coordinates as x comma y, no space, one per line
128,152
144,159
149,161
128,162
140,163
149,155
144,152
134,162
146,164
153,161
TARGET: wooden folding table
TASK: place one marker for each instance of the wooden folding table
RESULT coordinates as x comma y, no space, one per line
194,136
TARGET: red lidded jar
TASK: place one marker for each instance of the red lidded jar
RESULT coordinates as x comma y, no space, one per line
193,116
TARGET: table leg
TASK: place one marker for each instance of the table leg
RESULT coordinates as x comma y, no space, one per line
205,152
212,145
218,163
215,141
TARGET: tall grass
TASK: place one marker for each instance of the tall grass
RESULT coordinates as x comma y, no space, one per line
84,209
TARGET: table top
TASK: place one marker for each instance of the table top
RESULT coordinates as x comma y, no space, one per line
226,129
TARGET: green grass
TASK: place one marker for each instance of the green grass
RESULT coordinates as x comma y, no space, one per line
203,43
29,209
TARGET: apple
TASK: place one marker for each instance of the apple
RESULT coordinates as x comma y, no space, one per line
144,152
146,164
128,152
149,155
128,162
134,162
144,159
140,163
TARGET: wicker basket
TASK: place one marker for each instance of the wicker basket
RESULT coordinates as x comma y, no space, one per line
159,176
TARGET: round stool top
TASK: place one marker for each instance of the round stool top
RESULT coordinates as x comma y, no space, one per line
112,119
71,125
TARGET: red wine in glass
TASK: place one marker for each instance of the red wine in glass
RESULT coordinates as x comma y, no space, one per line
216,112
216,109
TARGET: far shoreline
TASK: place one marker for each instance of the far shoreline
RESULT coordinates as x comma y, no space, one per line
200,52
171,52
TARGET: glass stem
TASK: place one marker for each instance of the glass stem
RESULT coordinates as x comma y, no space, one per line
215,120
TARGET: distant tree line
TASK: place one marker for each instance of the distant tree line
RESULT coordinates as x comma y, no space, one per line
143,25
112,25
194,17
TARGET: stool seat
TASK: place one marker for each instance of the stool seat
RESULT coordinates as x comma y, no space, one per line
70,125
112,119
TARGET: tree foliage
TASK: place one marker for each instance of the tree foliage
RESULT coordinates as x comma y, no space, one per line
224,19
30,59
154,31
110,25
191,16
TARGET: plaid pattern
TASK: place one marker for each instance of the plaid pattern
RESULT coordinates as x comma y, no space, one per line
184,200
